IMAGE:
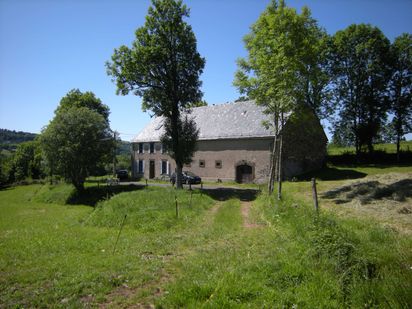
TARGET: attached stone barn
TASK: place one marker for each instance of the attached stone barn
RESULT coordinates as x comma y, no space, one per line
234,145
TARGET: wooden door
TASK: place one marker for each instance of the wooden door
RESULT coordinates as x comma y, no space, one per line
244,173
152,169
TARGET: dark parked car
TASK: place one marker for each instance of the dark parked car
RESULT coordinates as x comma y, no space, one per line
187,177
122,174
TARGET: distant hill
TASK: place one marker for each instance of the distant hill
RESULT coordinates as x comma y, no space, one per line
10,139
124,148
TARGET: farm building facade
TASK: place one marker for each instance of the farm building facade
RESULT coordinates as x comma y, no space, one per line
234,145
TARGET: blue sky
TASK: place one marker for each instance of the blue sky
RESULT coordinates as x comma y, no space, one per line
48,47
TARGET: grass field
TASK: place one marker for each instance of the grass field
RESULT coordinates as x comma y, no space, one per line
58,255
388,148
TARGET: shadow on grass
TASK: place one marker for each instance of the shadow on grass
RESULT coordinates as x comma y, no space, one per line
223,194
5,187
92,195
332,173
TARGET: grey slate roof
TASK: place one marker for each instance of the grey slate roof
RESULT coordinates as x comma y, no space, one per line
224,121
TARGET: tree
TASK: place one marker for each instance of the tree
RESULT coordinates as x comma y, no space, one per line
75,142
198,104
76,98
359,57
187,134
284,69
6,169
27,161
163,67
400,87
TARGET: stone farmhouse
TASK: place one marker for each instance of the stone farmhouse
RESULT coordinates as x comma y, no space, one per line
234,145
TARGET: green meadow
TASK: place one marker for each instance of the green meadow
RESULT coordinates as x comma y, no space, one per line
130,250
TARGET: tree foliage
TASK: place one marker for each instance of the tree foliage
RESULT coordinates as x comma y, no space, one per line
6,169
198,104
75,142
285,68
162,66
400,87
187,134
360,70
76,98
28,161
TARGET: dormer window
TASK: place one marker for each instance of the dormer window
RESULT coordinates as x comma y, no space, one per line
152,147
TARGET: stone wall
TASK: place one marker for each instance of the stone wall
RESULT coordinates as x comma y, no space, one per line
215,159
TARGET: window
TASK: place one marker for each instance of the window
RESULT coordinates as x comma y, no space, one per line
202,163
152,147
140,147
164,167
218,164
164,148
141,167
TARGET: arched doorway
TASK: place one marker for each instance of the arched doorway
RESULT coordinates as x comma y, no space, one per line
244,173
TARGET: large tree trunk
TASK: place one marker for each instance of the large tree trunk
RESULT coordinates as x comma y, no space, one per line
273,166
175,137
398,148
179,168
273,158
370,148
79,185
280,163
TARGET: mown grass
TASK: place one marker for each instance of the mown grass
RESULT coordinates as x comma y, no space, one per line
62,255
335,177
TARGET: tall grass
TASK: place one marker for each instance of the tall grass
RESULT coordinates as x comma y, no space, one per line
151,209
367,264
62,256
298,259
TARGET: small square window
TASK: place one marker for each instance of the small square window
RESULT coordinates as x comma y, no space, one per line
218,164
202,163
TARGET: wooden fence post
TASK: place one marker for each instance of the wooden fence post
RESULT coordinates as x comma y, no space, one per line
201,188
315,195
120,231
191,194
177,208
